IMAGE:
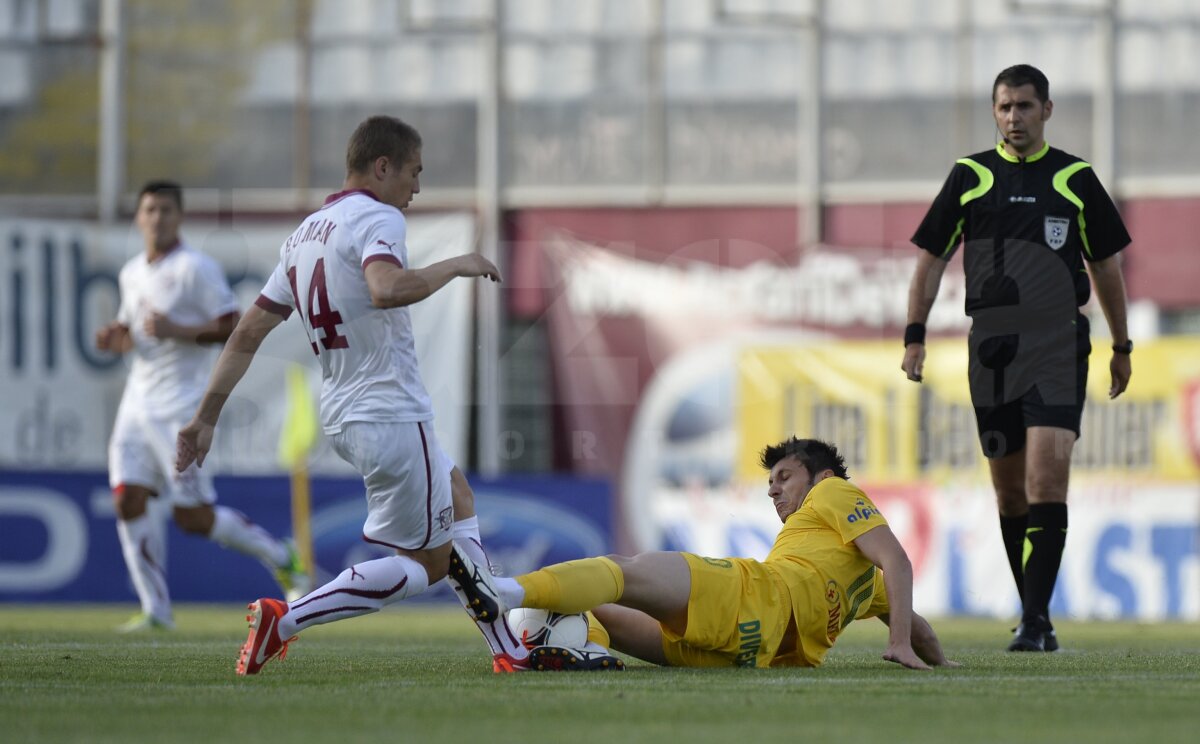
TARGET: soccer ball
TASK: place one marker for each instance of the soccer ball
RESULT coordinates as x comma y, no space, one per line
546,628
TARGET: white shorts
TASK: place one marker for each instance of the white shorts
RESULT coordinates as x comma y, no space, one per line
142,453
407,478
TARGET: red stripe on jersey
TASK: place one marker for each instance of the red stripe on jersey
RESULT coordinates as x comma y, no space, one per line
271,306
334,198
382,257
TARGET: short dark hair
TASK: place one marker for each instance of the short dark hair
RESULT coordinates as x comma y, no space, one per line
162,187
381,136
813,454
1018,75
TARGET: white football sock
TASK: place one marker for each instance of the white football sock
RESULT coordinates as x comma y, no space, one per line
145,552
467,539
359,590
232,529
499,636
511,592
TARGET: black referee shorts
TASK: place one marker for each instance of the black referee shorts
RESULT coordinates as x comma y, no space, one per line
1002,426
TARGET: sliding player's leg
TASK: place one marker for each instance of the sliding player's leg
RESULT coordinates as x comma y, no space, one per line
631,632
656,583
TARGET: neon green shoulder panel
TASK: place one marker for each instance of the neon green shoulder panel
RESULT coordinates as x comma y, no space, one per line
1060,185
986,181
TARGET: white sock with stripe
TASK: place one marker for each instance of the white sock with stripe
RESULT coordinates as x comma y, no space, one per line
499,636
359,590
145,557
234,530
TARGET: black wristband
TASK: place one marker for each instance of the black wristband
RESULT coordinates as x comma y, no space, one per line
914,333
1125,348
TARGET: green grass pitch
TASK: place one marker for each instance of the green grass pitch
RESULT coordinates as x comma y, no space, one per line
422,674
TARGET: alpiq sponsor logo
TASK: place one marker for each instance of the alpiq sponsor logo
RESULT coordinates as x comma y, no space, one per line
861,511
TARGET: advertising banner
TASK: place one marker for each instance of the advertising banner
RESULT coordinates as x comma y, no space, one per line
58,538
889,428
58,284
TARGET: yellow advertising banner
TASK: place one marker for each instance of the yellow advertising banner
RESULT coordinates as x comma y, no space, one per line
852,393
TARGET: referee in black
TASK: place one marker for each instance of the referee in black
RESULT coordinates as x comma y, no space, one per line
1030,218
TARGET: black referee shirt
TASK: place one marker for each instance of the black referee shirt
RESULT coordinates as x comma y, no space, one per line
1020,220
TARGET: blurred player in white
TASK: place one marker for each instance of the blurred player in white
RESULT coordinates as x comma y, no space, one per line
175,303
345,272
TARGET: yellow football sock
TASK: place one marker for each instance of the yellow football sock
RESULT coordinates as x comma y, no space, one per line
574,586
597,633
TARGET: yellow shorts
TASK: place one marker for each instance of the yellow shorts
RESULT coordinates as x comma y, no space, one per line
738,611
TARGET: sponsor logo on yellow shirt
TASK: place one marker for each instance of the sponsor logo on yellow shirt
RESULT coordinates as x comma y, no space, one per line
832,596
861,511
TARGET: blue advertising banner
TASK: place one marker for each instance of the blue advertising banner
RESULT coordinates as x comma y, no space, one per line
58,539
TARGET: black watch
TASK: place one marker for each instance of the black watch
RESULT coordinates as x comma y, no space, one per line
1125,348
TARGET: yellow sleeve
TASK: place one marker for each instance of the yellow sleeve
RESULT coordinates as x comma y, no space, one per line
879,601
845,508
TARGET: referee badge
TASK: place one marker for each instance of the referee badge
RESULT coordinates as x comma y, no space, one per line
1056,231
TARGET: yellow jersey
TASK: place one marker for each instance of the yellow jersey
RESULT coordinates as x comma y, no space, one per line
831,582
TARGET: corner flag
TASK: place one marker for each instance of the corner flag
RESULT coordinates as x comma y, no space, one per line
296,440
299,432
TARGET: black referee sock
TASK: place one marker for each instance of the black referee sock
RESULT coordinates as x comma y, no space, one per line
1012,531
1044,540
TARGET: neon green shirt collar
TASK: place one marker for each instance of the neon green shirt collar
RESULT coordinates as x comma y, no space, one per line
1014,159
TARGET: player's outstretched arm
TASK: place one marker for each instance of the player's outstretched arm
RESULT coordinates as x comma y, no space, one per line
195,439
393,286
881,547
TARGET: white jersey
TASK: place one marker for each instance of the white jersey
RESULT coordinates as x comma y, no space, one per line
368,356
168,376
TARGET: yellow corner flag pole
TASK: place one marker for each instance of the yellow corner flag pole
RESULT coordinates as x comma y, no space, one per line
295,442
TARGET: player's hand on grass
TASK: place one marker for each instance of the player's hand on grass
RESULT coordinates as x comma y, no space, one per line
904,656
939,659
193,444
